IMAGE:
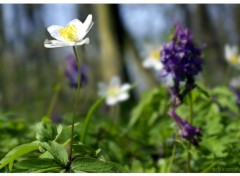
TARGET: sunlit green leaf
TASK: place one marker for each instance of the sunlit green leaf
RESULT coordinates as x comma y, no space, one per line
57,151
93,165
38,165
18,152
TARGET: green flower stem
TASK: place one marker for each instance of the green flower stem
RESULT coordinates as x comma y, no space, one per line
75,101
172,157
88,118
189,144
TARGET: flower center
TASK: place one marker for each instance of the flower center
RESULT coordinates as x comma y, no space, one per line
155,54
234,59
69,33
113,91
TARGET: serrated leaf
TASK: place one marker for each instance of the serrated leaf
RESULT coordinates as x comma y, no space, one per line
222,91
46,132
46,155
83,149
38,165
57,151
18,152
203,91
93,165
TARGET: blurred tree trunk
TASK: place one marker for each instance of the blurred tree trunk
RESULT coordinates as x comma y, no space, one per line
205,32
236,11
111,60
186,14
1,29
117,46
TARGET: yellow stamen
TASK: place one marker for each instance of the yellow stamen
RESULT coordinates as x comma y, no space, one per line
69,33
155,54
234,59
113,91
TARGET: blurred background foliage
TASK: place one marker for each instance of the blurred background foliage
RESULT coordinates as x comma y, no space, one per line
29,73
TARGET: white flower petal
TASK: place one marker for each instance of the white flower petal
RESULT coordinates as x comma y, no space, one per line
230,51
111,101
125,87
115,81
227,52
147,63
81,42
76,22
87,25
54,32
56,44
235,49
123,96
158,66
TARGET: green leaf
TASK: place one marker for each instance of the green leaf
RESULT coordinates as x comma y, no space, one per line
203,91
47,132
47,155
93,165
57,151
18,152
82,149
37,165
88,118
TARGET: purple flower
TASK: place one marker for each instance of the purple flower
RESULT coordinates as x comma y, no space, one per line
186,130
71,72
56,118
182,61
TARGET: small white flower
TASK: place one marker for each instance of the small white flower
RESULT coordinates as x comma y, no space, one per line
231,55
235,82
114,92
153,60
71,35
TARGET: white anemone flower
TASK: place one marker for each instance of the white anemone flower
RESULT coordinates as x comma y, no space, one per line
235,82
153,60
71,35
114,92
231,55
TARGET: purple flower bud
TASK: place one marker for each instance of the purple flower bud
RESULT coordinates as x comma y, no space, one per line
186,130
71,72
182,60
56,118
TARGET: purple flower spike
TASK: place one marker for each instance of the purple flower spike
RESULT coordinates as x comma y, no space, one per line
182,61
71,72
186,130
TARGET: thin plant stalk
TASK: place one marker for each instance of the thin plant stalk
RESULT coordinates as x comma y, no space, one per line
189,144
172,157
75,100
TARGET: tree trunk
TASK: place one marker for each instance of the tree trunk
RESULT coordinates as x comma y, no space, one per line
117,46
